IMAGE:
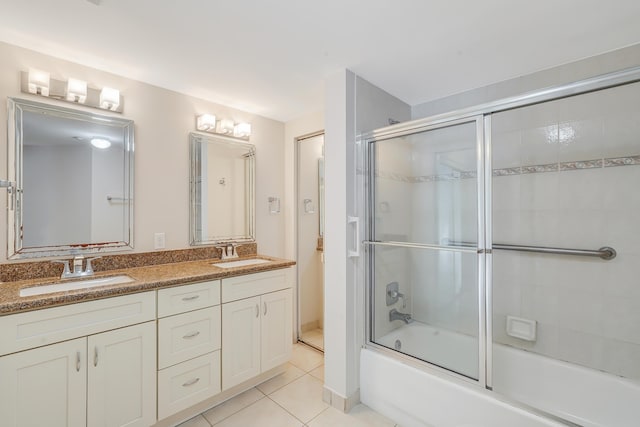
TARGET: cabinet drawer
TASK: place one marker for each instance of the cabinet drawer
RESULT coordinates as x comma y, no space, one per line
41,327
240,287
188,335
188,297
188,383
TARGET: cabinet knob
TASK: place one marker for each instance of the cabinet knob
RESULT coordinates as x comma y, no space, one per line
77,361
257,310
95,356
265,308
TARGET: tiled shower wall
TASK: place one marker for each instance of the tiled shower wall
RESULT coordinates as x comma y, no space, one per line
566,174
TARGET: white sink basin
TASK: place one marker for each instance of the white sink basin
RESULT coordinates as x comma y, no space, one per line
76,284
241,263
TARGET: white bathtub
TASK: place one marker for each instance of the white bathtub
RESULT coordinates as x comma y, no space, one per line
416,396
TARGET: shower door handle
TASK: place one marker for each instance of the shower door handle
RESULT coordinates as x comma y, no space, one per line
355,253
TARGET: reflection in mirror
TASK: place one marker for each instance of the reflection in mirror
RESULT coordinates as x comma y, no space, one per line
73,174
222,190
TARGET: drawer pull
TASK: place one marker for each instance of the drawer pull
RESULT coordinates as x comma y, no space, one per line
77,361
95,356
191,298
191,382
265,308
191,335
257,310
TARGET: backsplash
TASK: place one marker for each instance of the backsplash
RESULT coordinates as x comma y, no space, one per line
10,272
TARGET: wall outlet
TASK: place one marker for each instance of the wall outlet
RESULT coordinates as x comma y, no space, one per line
158,241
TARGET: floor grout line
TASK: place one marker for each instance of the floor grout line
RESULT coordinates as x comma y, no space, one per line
285,409
232,414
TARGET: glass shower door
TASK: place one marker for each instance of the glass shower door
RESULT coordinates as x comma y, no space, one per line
567,324
425,267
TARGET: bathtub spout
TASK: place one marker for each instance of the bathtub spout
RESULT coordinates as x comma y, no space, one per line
396,315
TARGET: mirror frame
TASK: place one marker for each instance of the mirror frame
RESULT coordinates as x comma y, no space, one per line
15,249
194,139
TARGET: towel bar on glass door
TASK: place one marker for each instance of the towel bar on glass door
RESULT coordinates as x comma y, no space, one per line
605,252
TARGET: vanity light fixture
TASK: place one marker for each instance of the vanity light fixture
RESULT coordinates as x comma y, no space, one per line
38,82
225,126
242,130
72,90
76,90
109,98
209,123
206,122
100,143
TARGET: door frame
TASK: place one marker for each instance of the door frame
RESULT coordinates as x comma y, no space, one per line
297,141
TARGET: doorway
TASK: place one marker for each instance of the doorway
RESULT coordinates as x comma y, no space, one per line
310,238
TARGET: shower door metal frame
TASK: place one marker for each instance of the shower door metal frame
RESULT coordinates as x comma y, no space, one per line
481,210
485,110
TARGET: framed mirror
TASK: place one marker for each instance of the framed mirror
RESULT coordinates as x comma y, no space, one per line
321,194
222,187
72,181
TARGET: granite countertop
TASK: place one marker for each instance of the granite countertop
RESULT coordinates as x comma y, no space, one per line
145,279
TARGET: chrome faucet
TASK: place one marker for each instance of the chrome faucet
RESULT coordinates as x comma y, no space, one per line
78,270
396,315
229,251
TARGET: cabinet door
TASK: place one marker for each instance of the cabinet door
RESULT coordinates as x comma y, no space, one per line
121,387
45,386
276,329
240,341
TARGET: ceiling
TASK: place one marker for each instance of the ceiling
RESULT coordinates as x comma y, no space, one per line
272,57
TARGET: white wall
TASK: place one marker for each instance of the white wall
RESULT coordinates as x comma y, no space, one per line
352,106
163,120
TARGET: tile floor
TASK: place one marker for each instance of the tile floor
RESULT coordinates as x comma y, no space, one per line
293,398
314,338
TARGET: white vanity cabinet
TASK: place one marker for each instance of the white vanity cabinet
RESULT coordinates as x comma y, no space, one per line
45,386
122,377
188,346
104,376
256,325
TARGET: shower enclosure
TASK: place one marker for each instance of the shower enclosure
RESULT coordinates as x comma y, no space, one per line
503,247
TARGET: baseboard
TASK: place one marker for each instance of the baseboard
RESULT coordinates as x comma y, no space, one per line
310,326
341,403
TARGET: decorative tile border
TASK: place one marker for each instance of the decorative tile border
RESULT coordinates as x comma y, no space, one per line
586,164
520,170
622,161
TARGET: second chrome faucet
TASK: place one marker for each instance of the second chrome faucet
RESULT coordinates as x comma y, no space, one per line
78,269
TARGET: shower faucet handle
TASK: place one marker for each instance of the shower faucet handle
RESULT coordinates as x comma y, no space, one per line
397,295
394,294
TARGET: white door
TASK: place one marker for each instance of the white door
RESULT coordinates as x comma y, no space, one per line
122,377
240,341
45,386
276,329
